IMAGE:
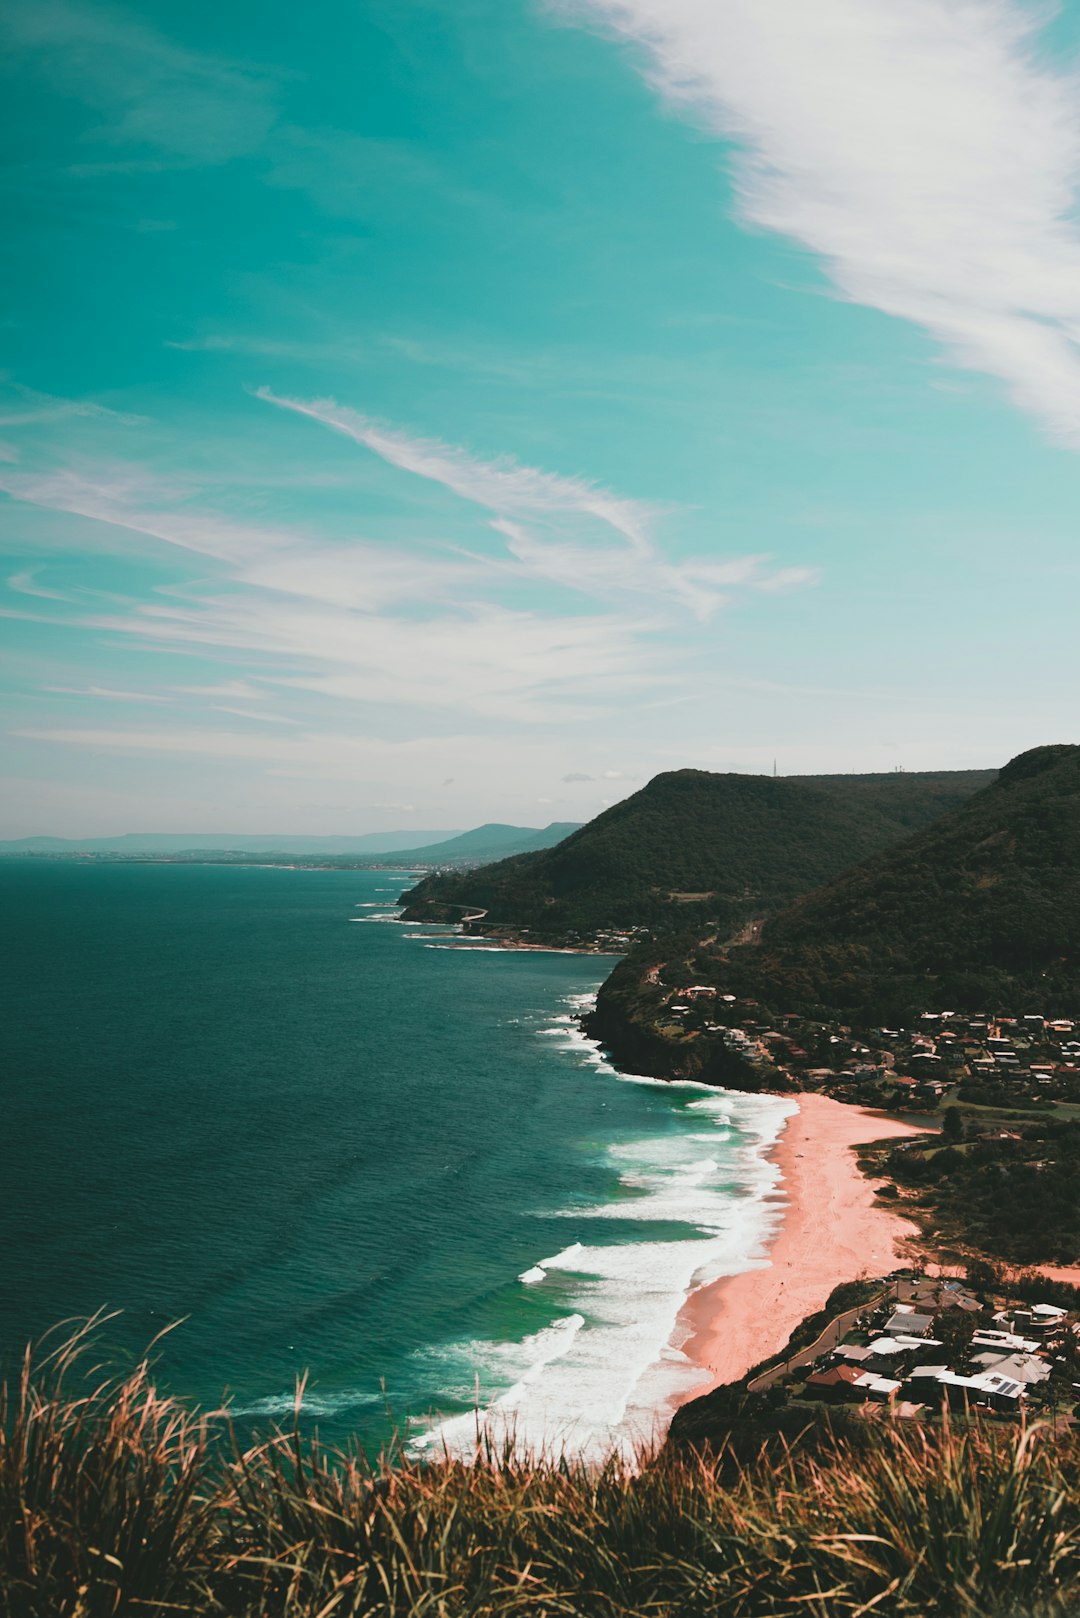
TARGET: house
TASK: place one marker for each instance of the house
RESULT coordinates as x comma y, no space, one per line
1006,1342
847,1382
989,1388
1033,1322
1025,1368
904,1322
838,1383
986,1387
920,1348
879,1387
954,1296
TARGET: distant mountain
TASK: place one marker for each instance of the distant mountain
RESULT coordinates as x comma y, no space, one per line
483,843
491,842
379,842
692,847
980,910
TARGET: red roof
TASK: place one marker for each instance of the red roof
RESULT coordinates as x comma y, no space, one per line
833,1378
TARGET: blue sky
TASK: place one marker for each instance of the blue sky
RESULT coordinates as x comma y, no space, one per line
432,411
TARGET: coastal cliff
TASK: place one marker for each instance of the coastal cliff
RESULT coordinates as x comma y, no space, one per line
632,1021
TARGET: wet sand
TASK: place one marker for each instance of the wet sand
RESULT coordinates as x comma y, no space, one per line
834,1229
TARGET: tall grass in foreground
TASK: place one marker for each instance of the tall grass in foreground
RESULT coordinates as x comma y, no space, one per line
114,1501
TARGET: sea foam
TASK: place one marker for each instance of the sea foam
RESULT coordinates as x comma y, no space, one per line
704,1201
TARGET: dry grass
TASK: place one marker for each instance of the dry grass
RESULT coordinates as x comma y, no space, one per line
114,1501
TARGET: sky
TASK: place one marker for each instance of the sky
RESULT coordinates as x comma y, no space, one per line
428,412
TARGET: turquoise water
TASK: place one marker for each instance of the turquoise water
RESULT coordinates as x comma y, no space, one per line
250,1100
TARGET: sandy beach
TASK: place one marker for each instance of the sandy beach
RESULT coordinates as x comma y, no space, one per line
834,1229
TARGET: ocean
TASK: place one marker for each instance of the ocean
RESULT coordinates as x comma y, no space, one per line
252,1101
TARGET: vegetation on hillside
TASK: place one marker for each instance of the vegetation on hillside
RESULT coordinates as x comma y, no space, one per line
116,1502
692,847
1011,1192
979,910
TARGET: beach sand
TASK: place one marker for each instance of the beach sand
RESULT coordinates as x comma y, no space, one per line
834,1229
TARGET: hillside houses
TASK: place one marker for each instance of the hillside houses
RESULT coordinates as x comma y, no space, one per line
975,1057
925,1346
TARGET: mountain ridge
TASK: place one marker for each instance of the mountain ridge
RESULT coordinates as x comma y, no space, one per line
983,905
696,846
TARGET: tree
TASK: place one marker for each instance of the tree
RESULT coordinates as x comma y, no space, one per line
952,1124
955,1328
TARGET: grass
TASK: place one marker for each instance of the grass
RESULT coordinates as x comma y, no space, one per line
115,1501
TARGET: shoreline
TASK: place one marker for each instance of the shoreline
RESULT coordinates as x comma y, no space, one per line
833,1229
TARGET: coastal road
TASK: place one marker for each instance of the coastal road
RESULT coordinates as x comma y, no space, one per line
834,1333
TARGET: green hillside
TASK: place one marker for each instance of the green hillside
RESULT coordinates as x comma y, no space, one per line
692,847
981,909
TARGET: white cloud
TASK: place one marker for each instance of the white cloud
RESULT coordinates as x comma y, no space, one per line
427,627
25,584
241,690
355,573
504,485
484,660
116,495
555,547
700,586
921,149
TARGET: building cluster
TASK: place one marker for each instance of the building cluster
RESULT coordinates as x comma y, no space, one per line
924,1345
1028,1057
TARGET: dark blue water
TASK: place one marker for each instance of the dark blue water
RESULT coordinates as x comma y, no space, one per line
325,1144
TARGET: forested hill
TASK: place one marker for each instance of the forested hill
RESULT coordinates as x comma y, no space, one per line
695,847
980,910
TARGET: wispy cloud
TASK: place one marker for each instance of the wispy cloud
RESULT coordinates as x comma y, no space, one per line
504,485
698,585
922,151
358,573
421,625
264,717
482,660
570,556
103,692
308,353
147,90
115,495
25,584
238,690
34,409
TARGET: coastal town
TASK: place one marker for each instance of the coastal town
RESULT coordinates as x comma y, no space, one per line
918,1347
980,1058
